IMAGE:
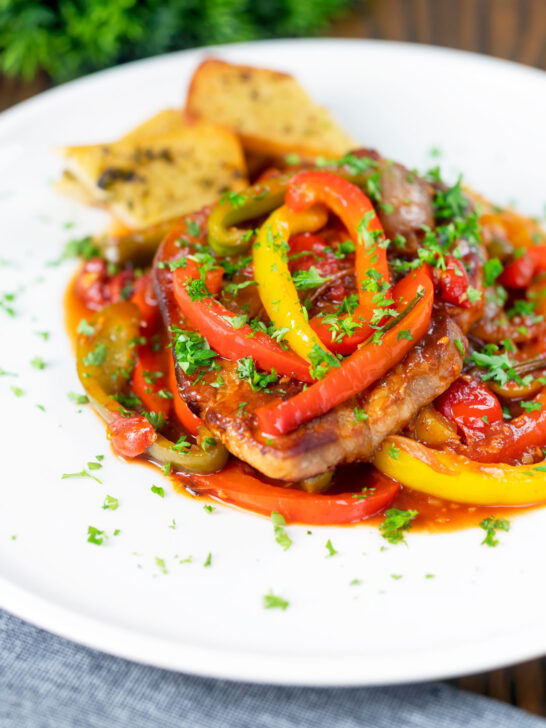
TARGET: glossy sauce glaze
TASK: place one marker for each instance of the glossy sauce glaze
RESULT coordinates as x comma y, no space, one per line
434,515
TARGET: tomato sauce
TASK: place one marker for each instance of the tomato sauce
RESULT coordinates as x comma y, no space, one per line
434,515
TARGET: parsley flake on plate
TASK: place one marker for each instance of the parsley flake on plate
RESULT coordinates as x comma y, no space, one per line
491,525
281,537
272,601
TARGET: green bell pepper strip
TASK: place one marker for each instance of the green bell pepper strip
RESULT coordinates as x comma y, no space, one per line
225,238
105,359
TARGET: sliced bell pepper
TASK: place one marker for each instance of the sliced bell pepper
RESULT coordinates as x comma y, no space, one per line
272,274
414,294
234,484
145,299
260,199
470,404
213,321
454,477
149,380
191,421
131,436
105,360
521,271
508,441
357,213
454,283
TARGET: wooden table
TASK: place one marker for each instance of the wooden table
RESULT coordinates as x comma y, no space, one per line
512,29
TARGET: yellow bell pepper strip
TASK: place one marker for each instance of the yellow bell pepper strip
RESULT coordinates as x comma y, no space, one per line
356,211
225,238
454,477
384,349
105,358
272,274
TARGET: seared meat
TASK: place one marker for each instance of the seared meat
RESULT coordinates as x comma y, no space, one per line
406,204
334,438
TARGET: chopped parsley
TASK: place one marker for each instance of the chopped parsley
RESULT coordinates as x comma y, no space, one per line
94,535
492,269
246,370
158,490
192,228
192,350
305,279
404,334
360,415
85,328
156,419
78,398
321,361
497,367
491,526
96,357
393,452
272,601
181,445
208,560
17,391
459,343
38,363
209,509
281,537
235,199
196,289
330,548
82,474
531,406
110,503
395,523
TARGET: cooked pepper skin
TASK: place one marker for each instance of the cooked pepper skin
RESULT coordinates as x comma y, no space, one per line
212,320
454,477
357,213
115,327
467,402
234,484
365,366
272,274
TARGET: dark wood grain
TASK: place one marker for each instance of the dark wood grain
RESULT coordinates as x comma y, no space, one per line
511,29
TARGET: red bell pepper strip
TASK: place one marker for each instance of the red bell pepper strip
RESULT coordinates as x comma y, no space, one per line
454,283
91,283
191,422
144,297
212,320
131,436
520,272
467,402
508,441
365,366
149,381
234,484
356,211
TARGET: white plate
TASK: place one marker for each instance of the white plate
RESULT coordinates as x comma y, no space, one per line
485,606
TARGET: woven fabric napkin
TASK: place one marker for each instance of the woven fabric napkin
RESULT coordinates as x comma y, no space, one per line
49,682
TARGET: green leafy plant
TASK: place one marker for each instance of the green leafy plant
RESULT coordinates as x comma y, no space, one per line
72,37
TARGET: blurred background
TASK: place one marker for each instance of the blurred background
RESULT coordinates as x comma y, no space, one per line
45,43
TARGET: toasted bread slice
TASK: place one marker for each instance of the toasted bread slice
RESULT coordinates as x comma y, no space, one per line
164,122
269,110
161,177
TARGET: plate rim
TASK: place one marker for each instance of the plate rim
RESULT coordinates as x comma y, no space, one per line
243,664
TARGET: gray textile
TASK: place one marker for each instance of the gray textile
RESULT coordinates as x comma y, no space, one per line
48,682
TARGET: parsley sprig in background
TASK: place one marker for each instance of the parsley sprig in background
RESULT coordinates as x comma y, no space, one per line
73,37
